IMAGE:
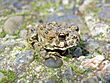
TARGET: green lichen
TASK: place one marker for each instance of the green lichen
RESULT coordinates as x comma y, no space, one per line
2,34
77,70
43,7
9,76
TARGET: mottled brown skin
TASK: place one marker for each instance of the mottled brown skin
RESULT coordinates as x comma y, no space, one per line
53,39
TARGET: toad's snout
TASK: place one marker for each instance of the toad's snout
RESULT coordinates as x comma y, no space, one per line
62,37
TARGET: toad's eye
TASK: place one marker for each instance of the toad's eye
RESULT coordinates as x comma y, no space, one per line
46,32
67,34
74,37
50,38
77,28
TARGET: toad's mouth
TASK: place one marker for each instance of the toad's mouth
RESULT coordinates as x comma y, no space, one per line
62,37
63,45
63,41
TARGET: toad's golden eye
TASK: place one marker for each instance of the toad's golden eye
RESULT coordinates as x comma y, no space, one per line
77,28
50,38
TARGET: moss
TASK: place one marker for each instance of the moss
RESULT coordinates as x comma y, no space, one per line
43,7
16,34
2,34
9,76
77,70
107,20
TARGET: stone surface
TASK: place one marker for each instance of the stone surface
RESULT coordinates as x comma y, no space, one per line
93,62
23,34
53,63
14,55
2,47
90,80
50,81
105,13
78,52
24,57
69,74
12,24
108,79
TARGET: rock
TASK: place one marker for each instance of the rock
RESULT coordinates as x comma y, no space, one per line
1,75
23,34
93,62
69,74
65,2
90,80
17,5
107,47
50,81
68,17
26,8
105,13
52,63
78,52
2,47
107,51
100,28
10,43
108,79
12,24
106,70
92,45
24,57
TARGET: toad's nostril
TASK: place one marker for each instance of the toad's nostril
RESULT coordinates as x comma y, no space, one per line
62,37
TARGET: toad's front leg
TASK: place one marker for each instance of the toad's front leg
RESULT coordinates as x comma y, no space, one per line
52,60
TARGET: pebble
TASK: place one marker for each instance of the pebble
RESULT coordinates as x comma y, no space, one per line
108,79
12,24
23,34
78,52
50,81
92,45
68,74
90,80
100,28
17,5
52,63
93,62
2,47
24,57
105,13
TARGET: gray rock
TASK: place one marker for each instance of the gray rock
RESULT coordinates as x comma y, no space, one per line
52,63
24,57
108,79
92,45
105,13
23,34
50,81
2,47
107,49
90,80
78,52
17,5
69,74
68,17
13,24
